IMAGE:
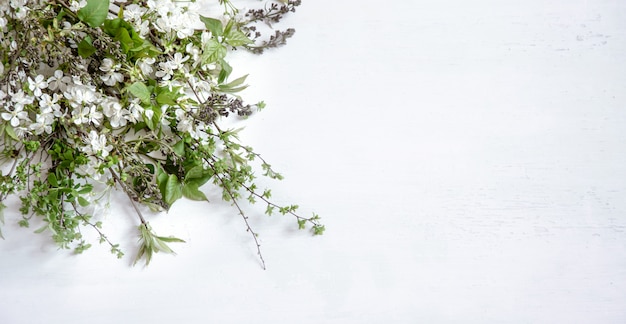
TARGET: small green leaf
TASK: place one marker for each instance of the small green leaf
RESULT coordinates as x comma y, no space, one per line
83,202
125,40
52,180
214,51
235,83
179,148
237,38
86,48
213,25
224,72
41,229
11,132
194,173
141,91
198,176
170,239
111,26
318,229
85,189
191,191
94,13
173,190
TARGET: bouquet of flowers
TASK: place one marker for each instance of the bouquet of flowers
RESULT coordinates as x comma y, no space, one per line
99,95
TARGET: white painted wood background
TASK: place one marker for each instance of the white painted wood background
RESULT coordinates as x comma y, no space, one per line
468,159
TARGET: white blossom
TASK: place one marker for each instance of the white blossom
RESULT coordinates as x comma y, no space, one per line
77,5
146,65
107,65
58,81
112,78
42,124
135,111
185,124
20,99
178,60
79,95
15,116
97,144
115,113
37,84
166,71
133,13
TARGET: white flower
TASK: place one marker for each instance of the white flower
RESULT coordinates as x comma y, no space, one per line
90,169
133,12
15,116
80,115
185,124
135,112
166,71
42,124
116,114
58,81
194,51
20,99
37,84
148,114
142,27
77,5
95,116
112,78
178,60
107,65
146,65
97,144
79,95
1,66
49,104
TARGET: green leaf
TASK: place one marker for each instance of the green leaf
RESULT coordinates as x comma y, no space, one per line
141,91
85,189
214,25
11,132
170,239
111,26
224,72
198,176
191,191
83,202
214,51
173,190
41,229
94,13
166,98
179,147
86,48
235,83
125,40
237,38
52,180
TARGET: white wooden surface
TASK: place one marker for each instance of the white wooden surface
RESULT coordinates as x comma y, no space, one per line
468,158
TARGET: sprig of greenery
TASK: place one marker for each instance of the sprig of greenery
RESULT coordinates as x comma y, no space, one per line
127,95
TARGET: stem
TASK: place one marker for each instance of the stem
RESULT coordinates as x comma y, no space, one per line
245,218
128,194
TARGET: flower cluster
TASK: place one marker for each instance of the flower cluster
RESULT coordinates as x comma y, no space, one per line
127,94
